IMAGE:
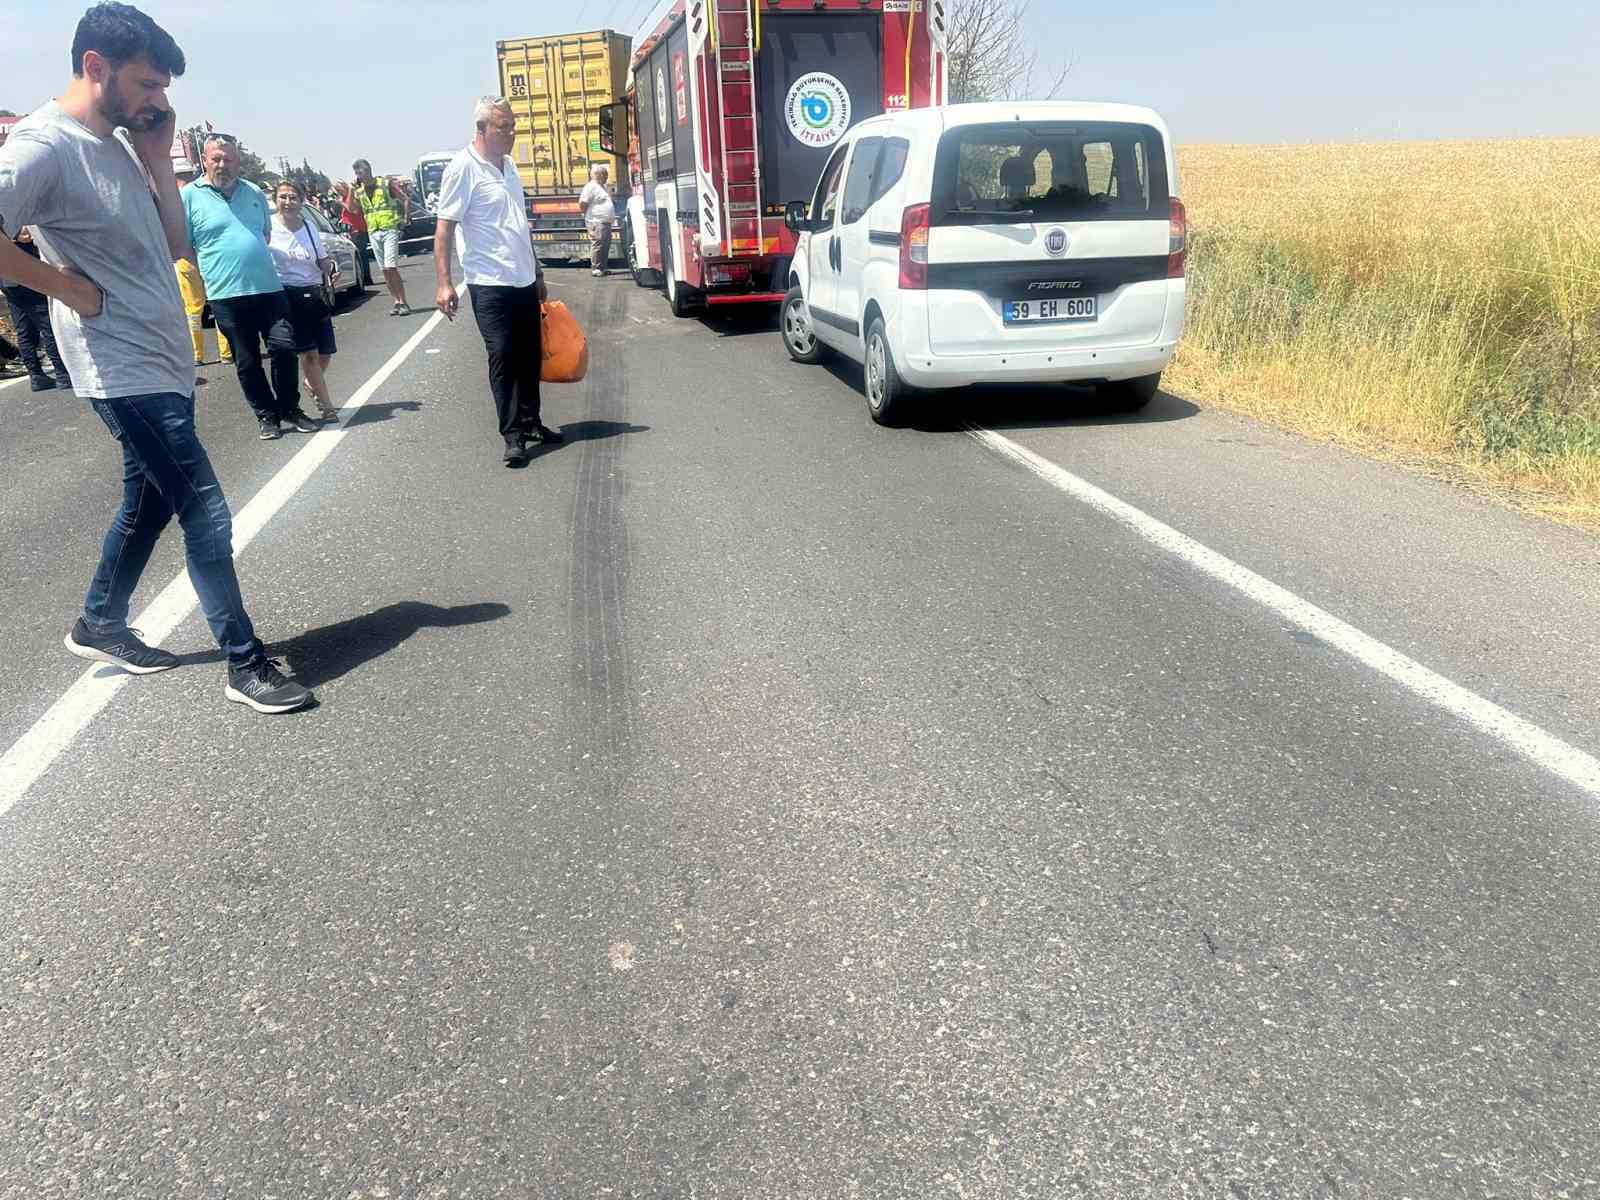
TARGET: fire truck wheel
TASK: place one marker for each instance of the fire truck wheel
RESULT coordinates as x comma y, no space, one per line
677,291
799,339
886,395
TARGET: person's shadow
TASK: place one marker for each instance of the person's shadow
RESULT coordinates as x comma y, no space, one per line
585,431
371,414
318,656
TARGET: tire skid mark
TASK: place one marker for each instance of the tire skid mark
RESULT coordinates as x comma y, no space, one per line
602,691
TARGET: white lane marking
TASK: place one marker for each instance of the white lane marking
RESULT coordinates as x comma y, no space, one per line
31,755
1560,759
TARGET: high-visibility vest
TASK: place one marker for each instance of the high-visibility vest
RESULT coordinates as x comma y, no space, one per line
381,210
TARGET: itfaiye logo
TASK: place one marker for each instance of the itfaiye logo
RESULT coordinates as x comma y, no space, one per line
817,109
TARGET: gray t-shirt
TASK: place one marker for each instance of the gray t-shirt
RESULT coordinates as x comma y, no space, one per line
90,205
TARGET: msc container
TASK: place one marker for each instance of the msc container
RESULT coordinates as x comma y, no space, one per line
557,86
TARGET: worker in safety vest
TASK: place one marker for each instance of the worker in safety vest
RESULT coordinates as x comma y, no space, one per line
386,205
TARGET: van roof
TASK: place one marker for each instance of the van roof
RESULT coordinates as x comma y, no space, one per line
993,112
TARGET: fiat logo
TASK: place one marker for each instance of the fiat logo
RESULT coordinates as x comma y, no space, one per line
1055,243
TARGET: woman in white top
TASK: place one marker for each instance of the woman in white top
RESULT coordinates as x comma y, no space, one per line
305,268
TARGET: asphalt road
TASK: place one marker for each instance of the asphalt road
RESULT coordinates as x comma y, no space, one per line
746,801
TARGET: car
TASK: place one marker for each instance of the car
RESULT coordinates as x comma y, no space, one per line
1039,242
354,274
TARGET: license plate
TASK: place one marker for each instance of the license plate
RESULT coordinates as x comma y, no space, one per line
1031,312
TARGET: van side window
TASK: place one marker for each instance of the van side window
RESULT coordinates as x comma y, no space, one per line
827,194
891,165
858,181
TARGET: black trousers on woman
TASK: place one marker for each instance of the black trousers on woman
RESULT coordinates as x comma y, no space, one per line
508,319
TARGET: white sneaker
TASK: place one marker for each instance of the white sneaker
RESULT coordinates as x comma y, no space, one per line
597,273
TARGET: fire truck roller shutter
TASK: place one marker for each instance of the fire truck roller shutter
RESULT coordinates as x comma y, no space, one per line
842,50
678,117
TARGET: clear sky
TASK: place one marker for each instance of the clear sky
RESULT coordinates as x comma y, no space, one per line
391,79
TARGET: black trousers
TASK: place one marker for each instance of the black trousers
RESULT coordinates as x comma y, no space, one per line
508,319
30,313
248,321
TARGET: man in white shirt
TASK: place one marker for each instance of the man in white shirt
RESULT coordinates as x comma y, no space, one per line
483,217
598,212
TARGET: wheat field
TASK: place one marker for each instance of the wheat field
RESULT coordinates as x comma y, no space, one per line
1436,302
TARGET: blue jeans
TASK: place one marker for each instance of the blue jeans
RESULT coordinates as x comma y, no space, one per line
165,471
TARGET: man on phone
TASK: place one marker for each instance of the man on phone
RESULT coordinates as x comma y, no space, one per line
91,173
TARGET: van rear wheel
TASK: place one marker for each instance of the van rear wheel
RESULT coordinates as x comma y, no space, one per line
1130,395
886,394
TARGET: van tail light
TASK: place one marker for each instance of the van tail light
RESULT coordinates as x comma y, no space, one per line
914,248
1177,239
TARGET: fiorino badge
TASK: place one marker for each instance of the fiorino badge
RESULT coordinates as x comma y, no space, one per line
817,109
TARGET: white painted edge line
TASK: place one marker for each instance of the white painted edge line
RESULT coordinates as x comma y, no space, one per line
1560,759
30,755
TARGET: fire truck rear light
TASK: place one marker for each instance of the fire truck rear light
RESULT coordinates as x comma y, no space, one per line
729,273
1177,239
914,248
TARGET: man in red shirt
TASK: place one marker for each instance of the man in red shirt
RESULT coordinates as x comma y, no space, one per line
352,216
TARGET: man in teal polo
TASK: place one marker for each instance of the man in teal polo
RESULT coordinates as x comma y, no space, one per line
229,226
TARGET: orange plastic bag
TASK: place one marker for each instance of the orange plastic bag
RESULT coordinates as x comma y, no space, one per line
566,350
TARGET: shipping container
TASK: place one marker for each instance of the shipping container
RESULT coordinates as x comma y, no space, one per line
556,86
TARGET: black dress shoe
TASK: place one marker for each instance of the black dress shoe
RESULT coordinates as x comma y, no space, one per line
516,453
543,433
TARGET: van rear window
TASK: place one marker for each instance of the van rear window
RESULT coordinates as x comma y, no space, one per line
1049,171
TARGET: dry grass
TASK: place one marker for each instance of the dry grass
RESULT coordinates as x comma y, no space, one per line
1435,302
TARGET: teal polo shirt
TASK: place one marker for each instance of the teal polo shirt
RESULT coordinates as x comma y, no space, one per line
230,240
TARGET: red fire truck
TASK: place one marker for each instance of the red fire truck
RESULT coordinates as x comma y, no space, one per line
732,110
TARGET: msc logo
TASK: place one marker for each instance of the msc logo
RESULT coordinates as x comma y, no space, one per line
1055,243
817,109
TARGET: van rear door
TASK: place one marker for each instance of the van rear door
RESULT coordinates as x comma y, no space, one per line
1047,234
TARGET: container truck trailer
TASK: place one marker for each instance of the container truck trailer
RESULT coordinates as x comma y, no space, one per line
556,87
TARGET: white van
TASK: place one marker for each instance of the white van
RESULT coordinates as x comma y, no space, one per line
998,242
